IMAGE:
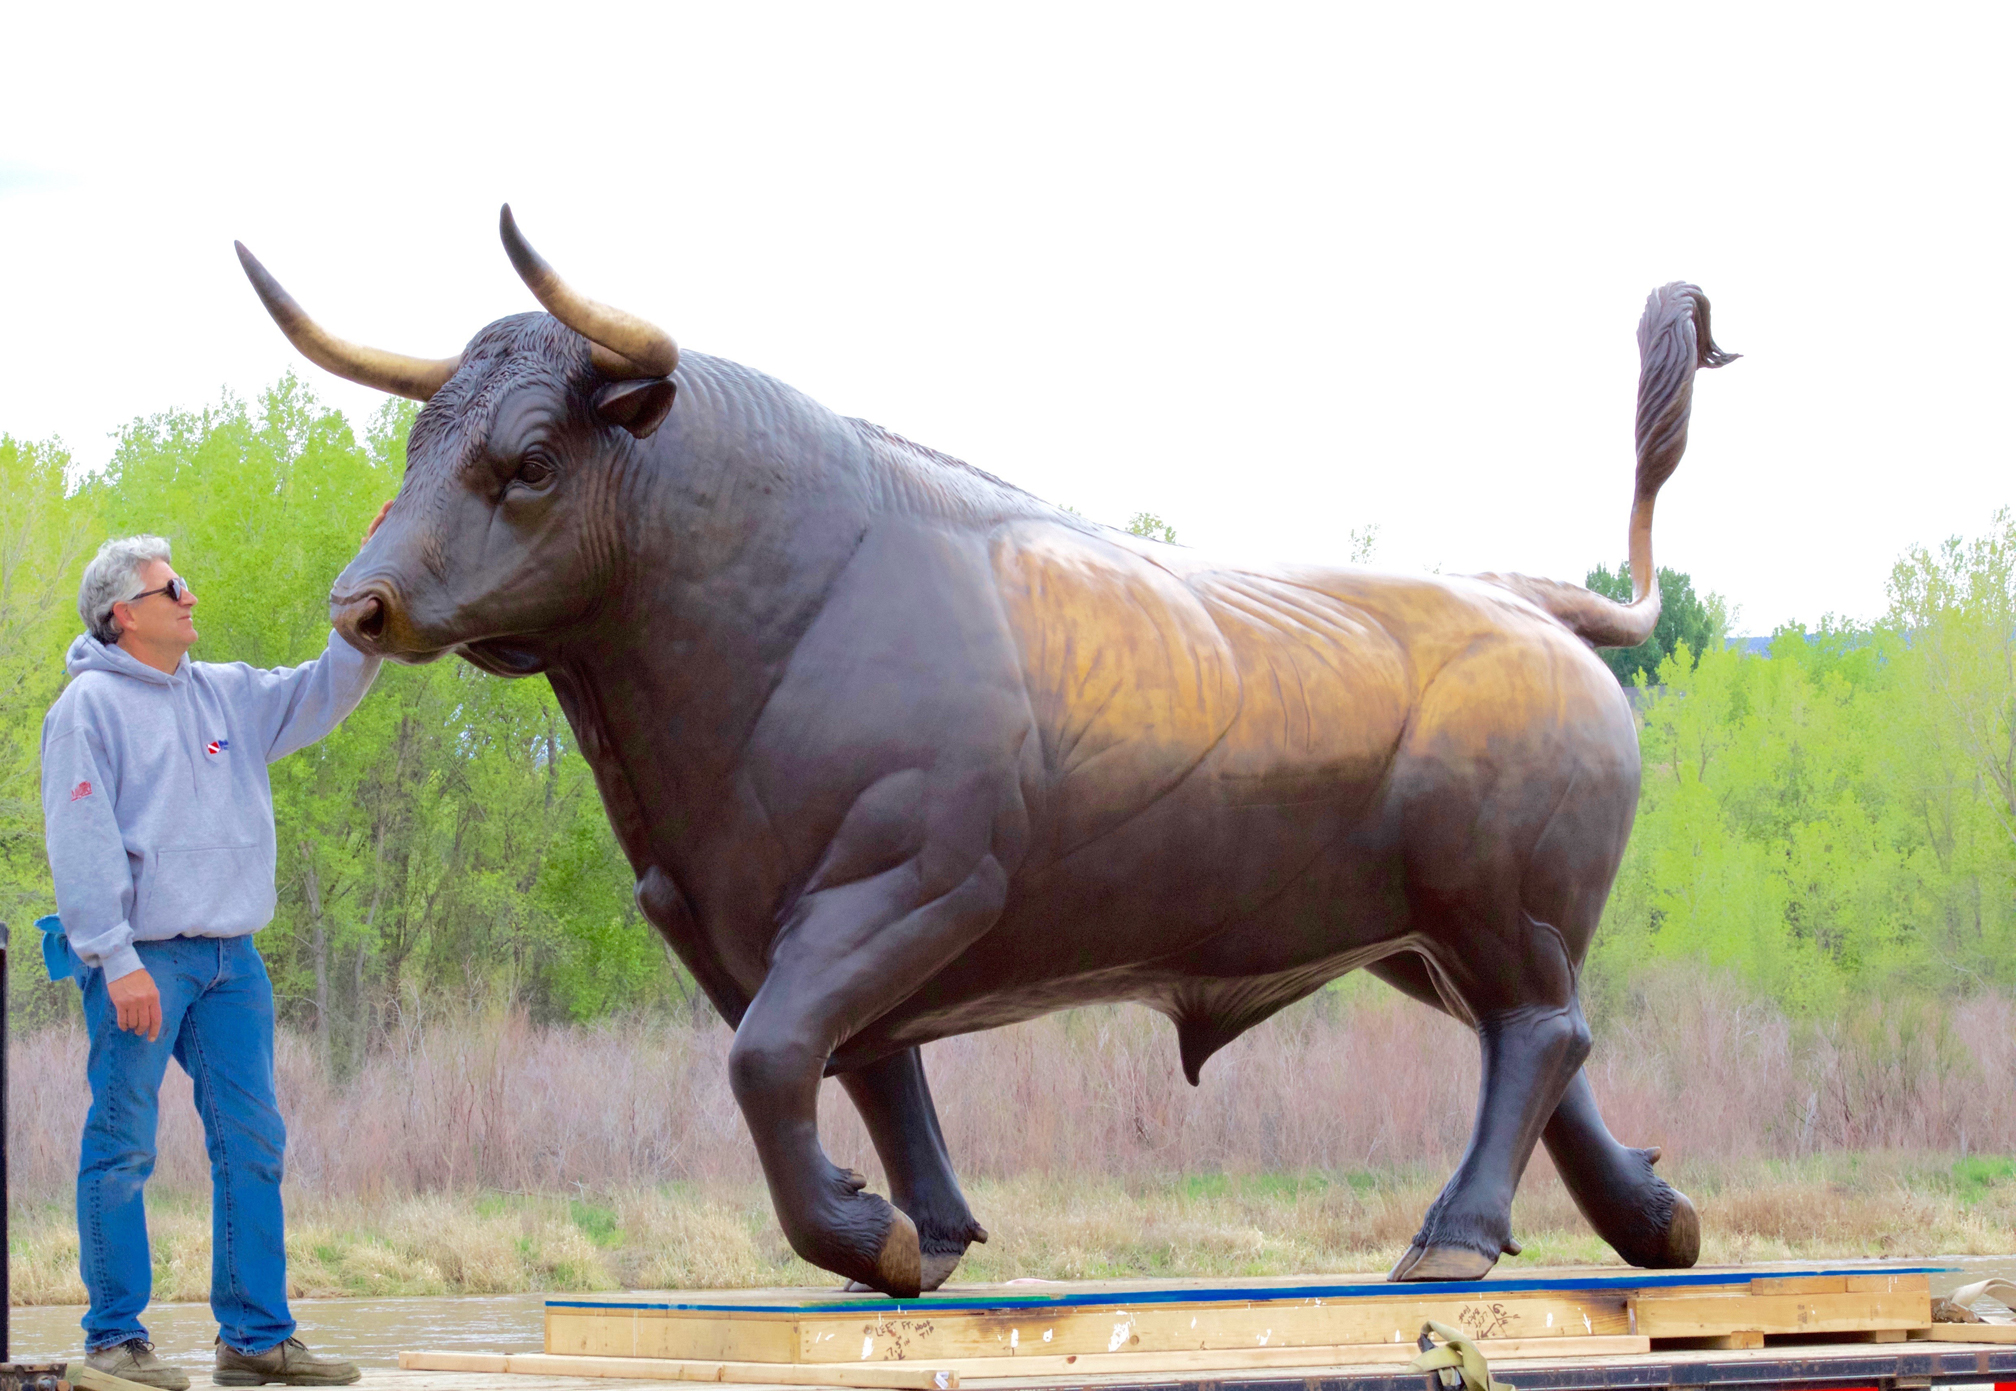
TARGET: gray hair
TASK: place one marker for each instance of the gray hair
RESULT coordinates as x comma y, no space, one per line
113,577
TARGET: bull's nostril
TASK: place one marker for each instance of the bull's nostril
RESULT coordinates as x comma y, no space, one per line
371,622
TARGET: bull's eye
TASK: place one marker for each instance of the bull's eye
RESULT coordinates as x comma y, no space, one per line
535,471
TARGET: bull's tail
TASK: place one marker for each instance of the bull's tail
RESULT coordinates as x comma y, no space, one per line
1673,341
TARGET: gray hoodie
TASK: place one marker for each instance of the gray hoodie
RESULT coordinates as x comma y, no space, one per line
158,811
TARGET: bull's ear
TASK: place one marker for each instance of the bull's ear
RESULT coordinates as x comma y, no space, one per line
638,406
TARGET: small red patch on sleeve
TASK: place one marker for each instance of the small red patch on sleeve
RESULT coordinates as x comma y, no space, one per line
81,790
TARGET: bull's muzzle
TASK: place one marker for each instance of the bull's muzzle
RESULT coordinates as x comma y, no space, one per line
362,619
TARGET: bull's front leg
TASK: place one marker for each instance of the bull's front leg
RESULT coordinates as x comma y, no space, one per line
894,1099
849,952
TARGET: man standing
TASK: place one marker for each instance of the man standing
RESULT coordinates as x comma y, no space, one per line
159,819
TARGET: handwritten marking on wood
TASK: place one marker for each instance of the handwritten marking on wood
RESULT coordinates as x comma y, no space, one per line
1485,1320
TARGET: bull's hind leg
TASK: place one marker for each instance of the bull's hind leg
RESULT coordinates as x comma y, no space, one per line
1533,1040
1515,788
894,1100
1647,1221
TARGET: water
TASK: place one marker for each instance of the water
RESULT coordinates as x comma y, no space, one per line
370,1332
1972,1268
373,1332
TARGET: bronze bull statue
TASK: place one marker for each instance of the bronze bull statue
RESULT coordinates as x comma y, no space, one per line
899,751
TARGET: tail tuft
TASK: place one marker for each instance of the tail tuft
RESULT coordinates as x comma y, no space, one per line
1673,343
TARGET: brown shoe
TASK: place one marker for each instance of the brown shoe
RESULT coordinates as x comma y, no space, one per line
290,1364
134,1360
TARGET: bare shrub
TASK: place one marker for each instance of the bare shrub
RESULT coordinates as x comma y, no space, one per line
1353,1081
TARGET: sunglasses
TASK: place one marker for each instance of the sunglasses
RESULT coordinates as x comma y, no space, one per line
174,589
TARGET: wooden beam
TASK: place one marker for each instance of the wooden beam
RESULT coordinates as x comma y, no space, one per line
1241,1359
1965,1333
1883,1283
490,1362
926,1377
1723,1342
1708,1316
895,1376
706,1337
89,1378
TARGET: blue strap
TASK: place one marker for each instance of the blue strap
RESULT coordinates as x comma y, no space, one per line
61,962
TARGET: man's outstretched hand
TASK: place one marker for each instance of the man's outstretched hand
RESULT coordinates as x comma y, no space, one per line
138,1003
372,530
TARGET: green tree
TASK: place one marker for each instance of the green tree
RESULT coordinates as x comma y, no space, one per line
1151,526
1950,640
1685,619
1364,541
1836,820
45,537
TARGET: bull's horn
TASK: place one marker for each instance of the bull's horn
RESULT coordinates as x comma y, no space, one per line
416,377
624,345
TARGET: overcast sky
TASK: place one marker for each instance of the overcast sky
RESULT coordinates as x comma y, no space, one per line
1273,272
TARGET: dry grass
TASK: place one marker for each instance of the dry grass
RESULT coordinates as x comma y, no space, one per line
691,1237
479,1153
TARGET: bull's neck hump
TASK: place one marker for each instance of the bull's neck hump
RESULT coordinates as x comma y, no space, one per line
747,507
914,480
741,428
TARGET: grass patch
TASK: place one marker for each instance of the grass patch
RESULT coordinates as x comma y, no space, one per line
1266,1187
597,1223
1976,1174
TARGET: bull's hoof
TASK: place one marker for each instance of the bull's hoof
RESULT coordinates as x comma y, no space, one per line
899,1265
1683,1235
944,1250
1662,1230
935,1270
935,1266
938,1266
1442,1263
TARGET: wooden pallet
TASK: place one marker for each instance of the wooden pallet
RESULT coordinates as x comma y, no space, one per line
895,1376
1004,1330
941,1374
1873,1304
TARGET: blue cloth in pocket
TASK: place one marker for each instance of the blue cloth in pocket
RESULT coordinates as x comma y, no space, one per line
62,963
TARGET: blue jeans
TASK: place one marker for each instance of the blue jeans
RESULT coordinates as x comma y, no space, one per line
217,1021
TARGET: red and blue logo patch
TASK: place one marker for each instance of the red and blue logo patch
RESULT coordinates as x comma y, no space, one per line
217,746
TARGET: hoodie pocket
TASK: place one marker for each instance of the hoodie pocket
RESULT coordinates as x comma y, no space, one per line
216,891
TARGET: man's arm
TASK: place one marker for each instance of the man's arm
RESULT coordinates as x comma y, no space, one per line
292,707
93,877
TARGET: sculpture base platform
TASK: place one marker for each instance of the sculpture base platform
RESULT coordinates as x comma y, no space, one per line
1182,1329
